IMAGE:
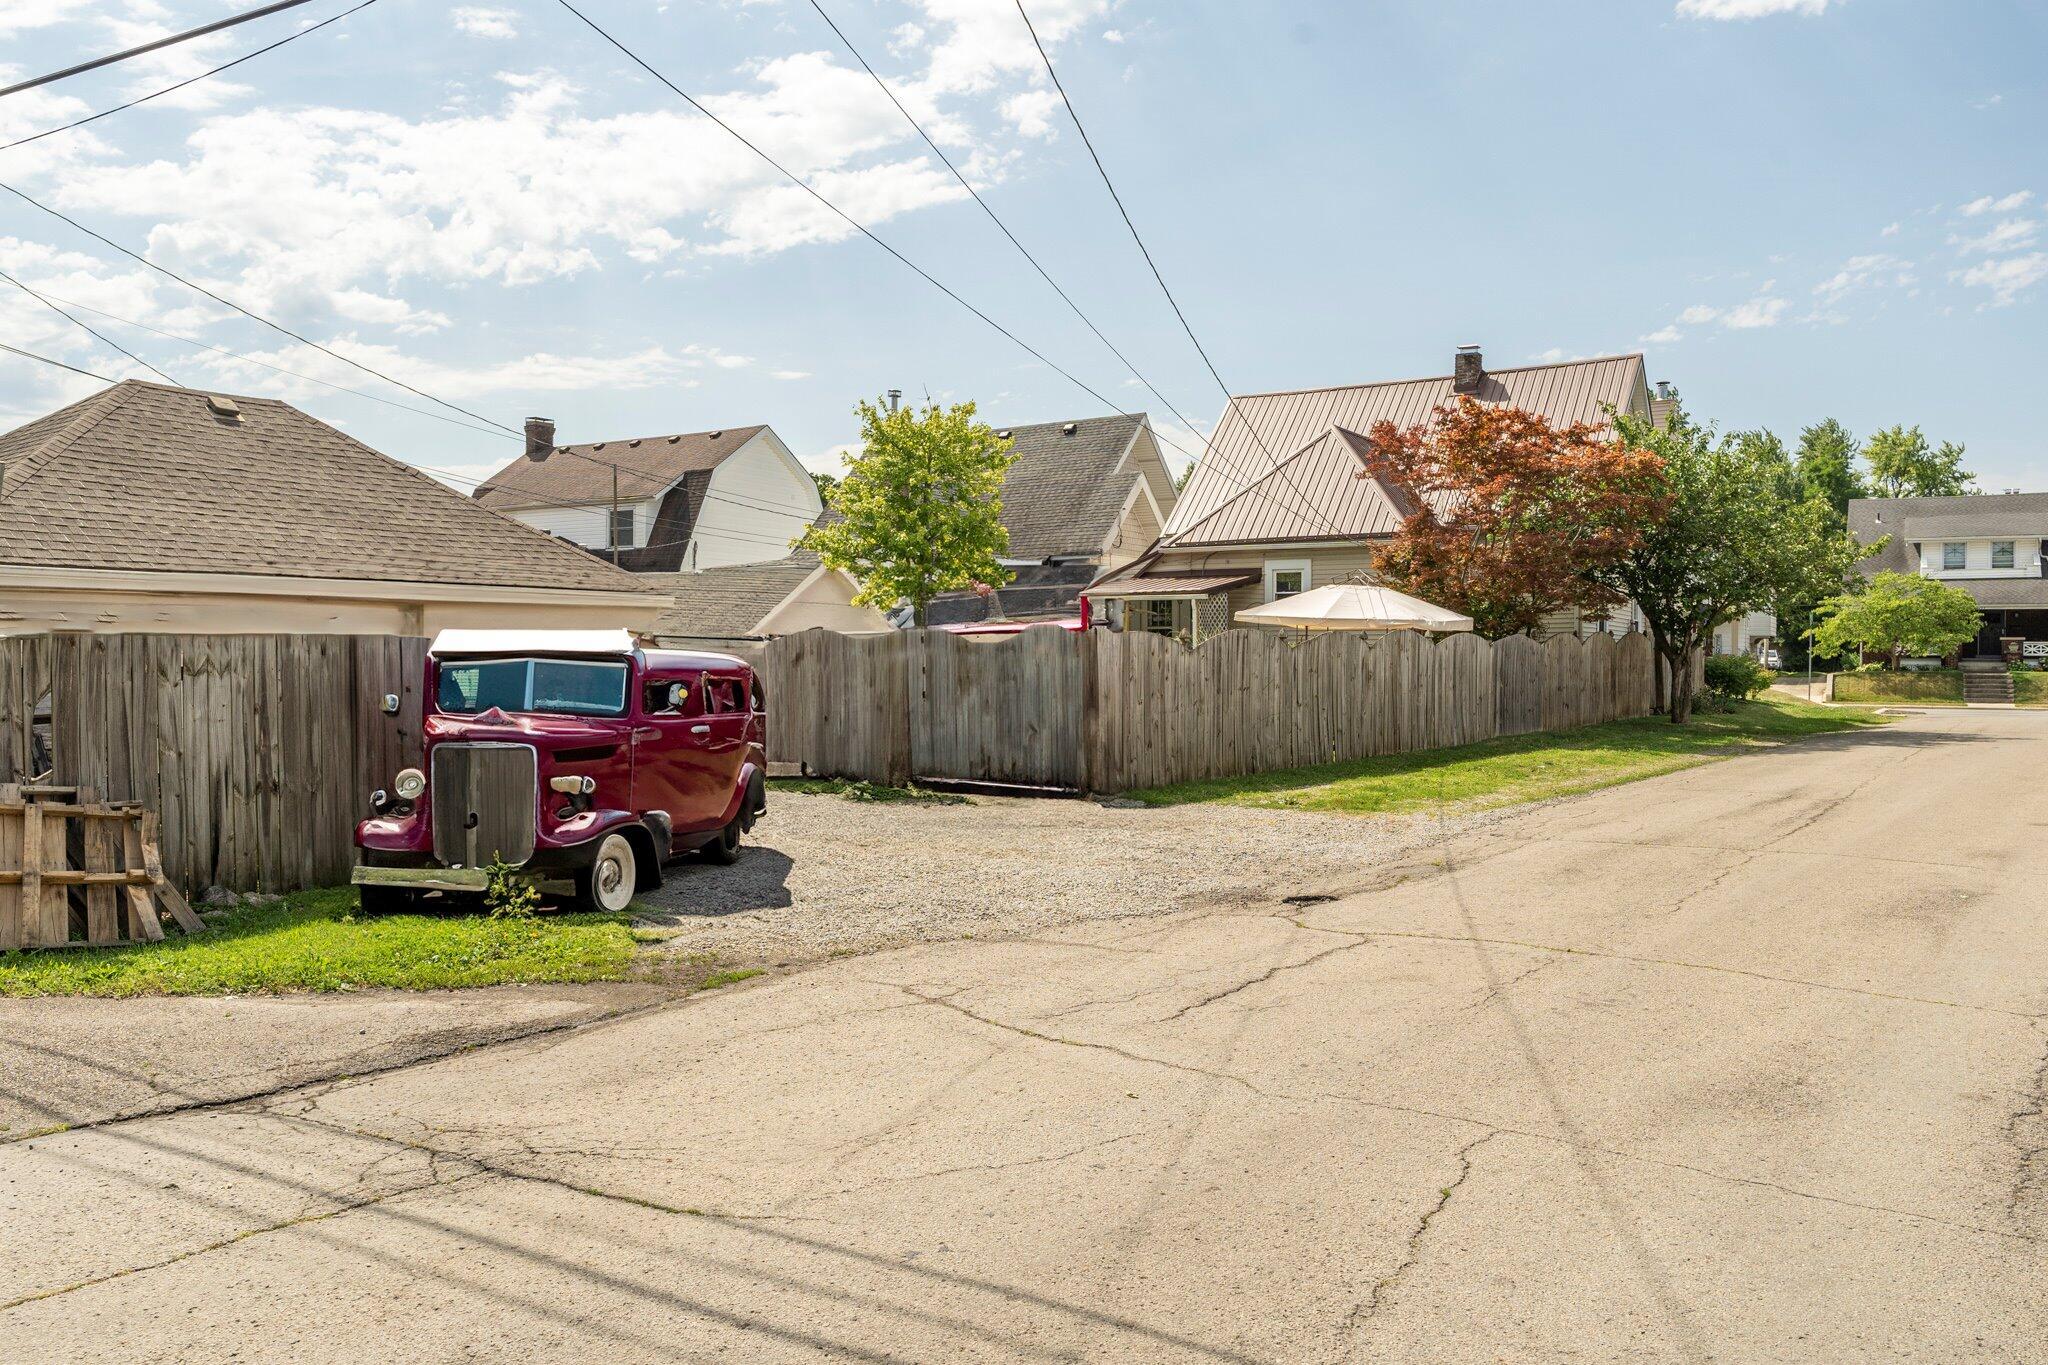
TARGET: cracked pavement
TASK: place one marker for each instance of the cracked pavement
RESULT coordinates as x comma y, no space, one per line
1743,1063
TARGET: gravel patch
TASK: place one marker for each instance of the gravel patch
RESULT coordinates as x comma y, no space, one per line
824,876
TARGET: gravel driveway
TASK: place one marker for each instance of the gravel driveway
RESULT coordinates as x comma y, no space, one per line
825,876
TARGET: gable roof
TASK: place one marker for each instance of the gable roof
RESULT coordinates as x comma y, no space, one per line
1058,497
582,474
1323,477
1966,516
148,477
728,603
1258,431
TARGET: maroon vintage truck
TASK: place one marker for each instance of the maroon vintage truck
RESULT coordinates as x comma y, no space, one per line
576,756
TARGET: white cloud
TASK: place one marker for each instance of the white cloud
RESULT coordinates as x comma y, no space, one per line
2009,204
1698,314
358,305
789,374
18,16
1891,230
1865,272
1031,112
1748,9
2008,277
482,22
1758,312
1548,357
1663,336
985,42
2009,234
831,461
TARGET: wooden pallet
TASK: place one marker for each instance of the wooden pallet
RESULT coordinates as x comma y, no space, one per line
77,872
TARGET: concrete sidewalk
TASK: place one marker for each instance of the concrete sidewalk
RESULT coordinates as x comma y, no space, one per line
1742,1063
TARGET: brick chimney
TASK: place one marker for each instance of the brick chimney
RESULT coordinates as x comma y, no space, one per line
540,438
1468,374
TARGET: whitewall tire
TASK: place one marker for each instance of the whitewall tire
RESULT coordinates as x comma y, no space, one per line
608,885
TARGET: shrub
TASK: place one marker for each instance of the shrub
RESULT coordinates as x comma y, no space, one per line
1738,677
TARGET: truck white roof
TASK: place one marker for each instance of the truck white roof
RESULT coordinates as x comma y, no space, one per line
608,643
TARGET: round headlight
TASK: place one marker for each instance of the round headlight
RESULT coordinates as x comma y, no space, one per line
409,784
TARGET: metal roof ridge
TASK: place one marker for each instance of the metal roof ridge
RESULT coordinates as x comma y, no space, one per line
1435,378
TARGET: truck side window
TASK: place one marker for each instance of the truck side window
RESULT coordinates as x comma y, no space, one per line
656,701
724,696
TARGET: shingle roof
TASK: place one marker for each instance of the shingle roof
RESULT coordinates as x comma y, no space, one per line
1038,592
647,465
1257,431
148,477
727,603
1058,498
1962,517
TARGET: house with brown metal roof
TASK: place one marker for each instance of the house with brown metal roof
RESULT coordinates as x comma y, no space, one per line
1281,501
152,508
661,504
1080,497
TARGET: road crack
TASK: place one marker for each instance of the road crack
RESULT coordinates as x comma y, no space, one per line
1381,1287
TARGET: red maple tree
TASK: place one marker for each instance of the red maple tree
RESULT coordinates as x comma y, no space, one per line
1507,514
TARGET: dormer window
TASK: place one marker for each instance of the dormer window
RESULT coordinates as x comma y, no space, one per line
1955,555
2001,554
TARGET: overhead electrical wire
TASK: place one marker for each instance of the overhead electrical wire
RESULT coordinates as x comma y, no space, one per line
291,37
89,330
89,374
253,317
1229,399
153,45
1065,297
852,222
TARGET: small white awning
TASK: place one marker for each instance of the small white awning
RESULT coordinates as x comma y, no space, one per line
1354,606
452,643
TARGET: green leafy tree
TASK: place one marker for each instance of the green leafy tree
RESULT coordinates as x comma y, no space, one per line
1827,467
1897,614
1732,540
1902,465
1763,448
826,483
919,510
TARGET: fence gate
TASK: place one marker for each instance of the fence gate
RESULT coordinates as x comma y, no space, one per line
1008,712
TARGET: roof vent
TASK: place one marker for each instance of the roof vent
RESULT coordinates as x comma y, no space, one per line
1003,435
716,434
633,444
598,446
1070,428
673,439
224,406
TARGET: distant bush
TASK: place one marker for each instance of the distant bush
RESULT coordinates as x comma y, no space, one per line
1738,677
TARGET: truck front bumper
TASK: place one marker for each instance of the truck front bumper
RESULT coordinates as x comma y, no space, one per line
469,879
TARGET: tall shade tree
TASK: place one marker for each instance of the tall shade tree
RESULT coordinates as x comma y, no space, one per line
1895,615
1902,465
1508,517
1827,466
918,511
1730,541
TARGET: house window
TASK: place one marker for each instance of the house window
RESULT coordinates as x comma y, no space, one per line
622,528
1955,555
1151,614
2001,554
1285,578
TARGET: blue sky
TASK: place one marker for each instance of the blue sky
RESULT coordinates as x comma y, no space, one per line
1798,208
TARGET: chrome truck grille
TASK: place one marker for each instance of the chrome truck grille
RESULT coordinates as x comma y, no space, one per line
484,803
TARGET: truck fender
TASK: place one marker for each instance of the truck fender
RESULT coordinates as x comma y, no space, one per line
749,797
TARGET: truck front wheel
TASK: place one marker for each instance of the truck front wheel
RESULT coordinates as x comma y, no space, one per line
608,884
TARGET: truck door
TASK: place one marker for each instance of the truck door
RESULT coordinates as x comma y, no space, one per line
668,771
729,722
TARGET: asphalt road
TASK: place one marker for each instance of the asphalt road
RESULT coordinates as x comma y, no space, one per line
1745,1063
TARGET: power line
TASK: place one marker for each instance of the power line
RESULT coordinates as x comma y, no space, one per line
1229,399
281,369
16,350
856,225
253,317
152,46
89,330
157,94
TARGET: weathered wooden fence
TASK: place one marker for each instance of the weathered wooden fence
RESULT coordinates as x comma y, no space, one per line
257,752
1113,711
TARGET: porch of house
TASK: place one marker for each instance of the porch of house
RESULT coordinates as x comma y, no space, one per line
2000,624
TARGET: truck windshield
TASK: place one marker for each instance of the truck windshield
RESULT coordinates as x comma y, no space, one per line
562,687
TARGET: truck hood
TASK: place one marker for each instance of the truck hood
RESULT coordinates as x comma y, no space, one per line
543,732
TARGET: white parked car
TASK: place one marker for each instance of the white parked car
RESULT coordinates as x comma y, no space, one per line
1771,660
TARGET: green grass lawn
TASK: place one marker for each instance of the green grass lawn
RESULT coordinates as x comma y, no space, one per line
2030,689
1928,687
314,941
1504,772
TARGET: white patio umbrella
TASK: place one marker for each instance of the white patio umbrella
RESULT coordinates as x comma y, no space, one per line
1354,606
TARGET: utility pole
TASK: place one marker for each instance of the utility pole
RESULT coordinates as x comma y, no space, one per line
1809,653
614,536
